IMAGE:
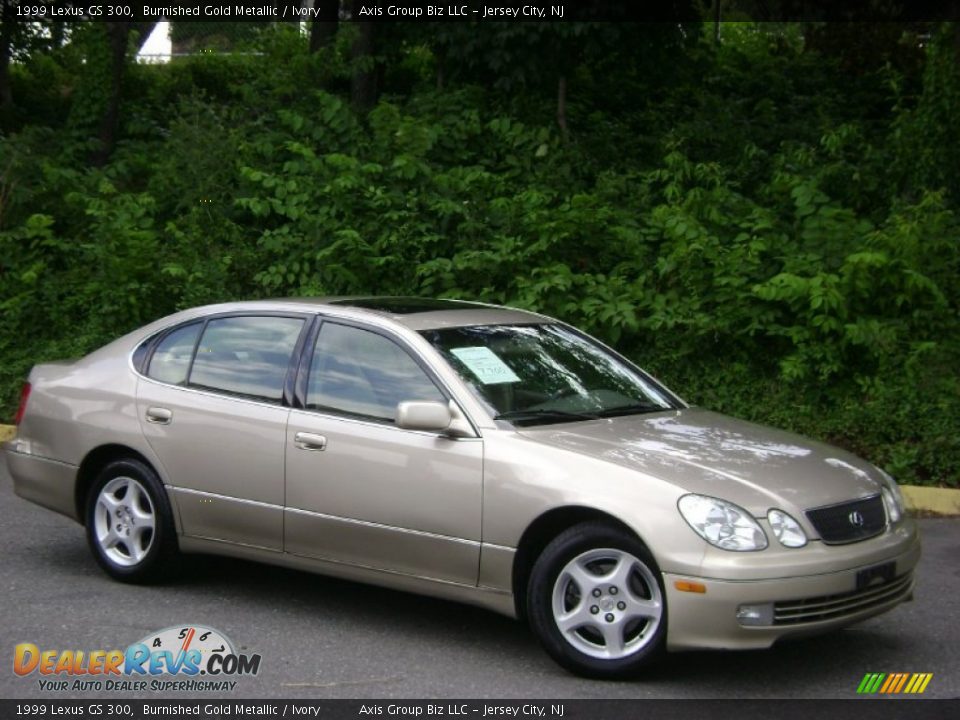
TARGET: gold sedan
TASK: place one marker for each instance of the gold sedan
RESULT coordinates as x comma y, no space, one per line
471,452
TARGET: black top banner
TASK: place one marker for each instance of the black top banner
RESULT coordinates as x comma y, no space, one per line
486,10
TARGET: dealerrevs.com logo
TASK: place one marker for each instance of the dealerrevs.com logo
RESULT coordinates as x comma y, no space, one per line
186,658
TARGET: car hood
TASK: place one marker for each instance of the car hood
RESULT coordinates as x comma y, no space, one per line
705,452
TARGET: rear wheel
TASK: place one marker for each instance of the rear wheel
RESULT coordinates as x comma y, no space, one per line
129,524
596,602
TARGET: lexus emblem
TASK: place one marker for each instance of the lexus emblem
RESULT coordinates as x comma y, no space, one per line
856,518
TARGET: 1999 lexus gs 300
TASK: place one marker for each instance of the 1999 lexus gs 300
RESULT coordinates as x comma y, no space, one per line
466,451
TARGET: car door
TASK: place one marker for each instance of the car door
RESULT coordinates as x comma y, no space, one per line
212,408
361,490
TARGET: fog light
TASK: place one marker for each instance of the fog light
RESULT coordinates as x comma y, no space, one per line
755,614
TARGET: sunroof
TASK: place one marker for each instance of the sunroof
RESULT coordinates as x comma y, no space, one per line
405,305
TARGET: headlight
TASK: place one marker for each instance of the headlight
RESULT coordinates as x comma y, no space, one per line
892,498
786,529
722,524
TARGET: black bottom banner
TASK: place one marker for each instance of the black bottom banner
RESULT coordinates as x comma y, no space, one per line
207,709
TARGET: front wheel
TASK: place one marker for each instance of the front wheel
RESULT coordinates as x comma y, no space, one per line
129,524
596,602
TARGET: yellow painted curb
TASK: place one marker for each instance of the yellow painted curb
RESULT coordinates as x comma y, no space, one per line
943,501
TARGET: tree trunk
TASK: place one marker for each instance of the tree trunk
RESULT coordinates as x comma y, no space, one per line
323,28
119,34
716,22
363,87
57,34
6,49
562,105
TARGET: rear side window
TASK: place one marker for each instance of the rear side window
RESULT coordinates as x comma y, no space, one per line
171,359
246,356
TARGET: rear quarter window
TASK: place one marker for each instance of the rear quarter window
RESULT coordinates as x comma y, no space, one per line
170,362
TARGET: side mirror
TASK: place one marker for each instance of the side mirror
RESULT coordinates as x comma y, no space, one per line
434,417
419,415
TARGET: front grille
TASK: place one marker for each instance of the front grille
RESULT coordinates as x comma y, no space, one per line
832,607
837,524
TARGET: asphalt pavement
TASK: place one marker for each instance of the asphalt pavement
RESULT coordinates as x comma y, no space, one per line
325,638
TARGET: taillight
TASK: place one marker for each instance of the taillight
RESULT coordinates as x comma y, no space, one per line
24,395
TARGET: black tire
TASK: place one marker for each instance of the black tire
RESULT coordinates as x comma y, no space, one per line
617,612
122,540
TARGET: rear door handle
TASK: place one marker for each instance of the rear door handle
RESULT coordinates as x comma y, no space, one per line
310,441
159,415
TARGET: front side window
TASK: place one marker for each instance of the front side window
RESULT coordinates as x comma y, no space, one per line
246,356
363,373
539,374
171,358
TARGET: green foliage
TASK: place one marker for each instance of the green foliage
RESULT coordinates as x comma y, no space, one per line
774,237
93,92
927,135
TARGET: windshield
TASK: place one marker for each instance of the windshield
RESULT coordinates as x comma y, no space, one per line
540,374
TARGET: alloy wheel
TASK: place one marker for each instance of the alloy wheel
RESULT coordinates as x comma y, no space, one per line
124,521
607,603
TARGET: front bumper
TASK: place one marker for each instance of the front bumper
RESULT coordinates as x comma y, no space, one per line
804,604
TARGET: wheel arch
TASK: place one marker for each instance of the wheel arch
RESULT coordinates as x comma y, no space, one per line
93,463
541,532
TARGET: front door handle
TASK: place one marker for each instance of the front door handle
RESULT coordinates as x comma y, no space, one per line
310,441
159,415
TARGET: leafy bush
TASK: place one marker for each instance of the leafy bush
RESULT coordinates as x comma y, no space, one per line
763,244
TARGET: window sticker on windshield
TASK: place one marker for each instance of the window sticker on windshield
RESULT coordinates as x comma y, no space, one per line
483,363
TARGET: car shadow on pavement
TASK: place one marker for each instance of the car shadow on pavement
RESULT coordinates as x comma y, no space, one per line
299,592
847,652
836,661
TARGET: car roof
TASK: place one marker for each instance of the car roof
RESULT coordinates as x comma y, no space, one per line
416,313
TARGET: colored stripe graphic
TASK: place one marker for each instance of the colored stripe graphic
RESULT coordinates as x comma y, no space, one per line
894,683
900,684
891,682
870,683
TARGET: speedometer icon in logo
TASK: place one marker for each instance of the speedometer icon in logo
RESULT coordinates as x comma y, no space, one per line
200,641
189,650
